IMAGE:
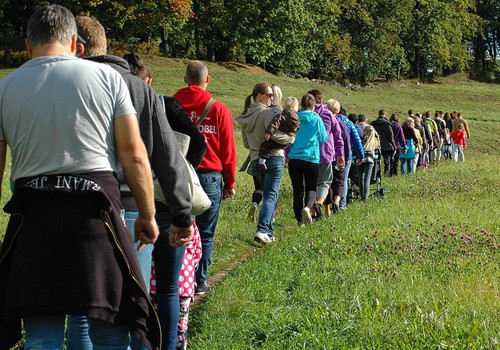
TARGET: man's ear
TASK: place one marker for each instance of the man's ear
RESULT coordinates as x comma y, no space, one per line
208,79
185,80
28,47
80,50
73,44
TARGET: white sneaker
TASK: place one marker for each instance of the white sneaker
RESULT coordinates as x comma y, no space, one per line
252,212
306,216
262,238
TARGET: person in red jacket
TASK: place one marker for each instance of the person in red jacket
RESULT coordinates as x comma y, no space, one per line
459,143
217,171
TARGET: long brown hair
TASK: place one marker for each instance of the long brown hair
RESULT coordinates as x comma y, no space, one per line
260,88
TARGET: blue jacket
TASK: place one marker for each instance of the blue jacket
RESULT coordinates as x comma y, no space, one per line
355,139
311,133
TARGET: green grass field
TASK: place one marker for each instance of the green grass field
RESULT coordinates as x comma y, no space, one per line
416,270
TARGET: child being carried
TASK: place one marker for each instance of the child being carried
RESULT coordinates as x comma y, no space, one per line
286,122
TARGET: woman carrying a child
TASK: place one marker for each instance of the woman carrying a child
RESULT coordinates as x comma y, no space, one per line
256,116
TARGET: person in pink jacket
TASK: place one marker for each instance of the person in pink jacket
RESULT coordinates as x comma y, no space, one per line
187,286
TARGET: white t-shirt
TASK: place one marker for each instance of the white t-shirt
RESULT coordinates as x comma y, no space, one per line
56,114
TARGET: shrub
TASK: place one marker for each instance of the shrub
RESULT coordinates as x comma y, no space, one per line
13,58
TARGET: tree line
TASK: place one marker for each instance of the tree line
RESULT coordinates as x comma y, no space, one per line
355,40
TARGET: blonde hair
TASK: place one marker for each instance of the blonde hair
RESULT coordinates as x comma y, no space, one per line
333,105
409,120
292,104
277,94
371,139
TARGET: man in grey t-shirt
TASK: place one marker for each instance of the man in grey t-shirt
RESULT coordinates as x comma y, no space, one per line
64,120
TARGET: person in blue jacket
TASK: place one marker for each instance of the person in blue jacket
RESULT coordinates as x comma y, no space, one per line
334,106
304,154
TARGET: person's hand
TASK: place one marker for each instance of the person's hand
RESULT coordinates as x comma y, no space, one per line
360,161
267,136
228,193
146,231
180,236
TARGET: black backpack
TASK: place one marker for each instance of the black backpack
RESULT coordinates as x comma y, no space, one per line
181,122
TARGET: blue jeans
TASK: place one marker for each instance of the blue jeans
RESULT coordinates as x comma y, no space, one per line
145,255
168,262
406,166
78,337
346,183
270,183
365,174
47,333
207,222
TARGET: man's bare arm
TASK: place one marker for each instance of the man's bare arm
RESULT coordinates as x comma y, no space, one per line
137,170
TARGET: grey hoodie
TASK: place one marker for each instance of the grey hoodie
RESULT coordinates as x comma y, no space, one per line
160,143
253,128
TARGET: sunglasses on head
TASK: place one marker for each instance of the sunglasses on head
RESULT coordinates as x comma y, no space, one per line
80,39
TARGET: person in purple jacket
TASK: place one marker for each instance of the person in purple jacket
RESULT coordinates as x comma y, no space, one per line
331,153
399,141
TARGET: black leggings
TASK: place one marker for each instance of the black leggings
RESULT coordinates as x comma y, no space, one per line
304,176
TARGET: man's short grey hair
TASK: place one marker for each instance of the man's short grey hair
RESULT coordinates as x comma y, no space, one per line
52,23
196,72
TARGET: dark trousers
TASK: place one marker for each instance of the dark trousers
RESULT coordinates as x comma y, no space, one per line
388,159
395,164
337,185
304,177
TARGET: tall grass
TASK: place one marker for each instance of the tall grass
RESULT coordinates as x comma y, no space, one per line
416,270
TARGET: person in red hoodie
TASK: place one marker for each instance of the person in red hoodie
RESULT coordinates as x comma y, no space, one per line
459,143
217,171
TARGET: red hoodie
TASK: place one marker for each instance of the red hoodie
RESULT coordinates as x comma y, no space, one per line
218,130
458,137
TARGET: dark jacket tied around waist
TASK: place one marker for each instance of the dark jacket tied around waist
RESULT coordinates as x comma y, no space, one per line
67,251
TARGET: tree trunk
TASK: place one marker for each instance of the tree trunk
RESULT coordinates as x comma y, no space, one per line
164,43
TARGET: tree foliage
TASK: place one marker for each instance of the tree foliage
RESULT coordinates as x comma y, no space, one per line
361,40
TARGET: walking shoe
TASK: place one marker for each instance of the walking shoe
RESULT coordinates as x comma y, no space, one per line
252,212
271,238
335,208
317,209
262,238
202,288
306,216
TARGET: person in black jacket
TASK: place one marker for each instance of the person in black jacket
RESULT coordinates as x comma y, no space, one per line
174,220
387,144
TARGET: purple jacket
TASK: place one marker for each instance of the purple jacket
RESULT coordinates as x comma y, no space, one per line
399,137
334,145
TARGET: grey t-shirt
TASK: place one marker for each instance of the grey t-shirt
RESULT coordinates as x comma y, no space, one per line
56,114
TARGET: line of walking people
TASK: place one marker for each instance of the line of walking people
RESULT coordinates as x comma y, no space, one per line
318,143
